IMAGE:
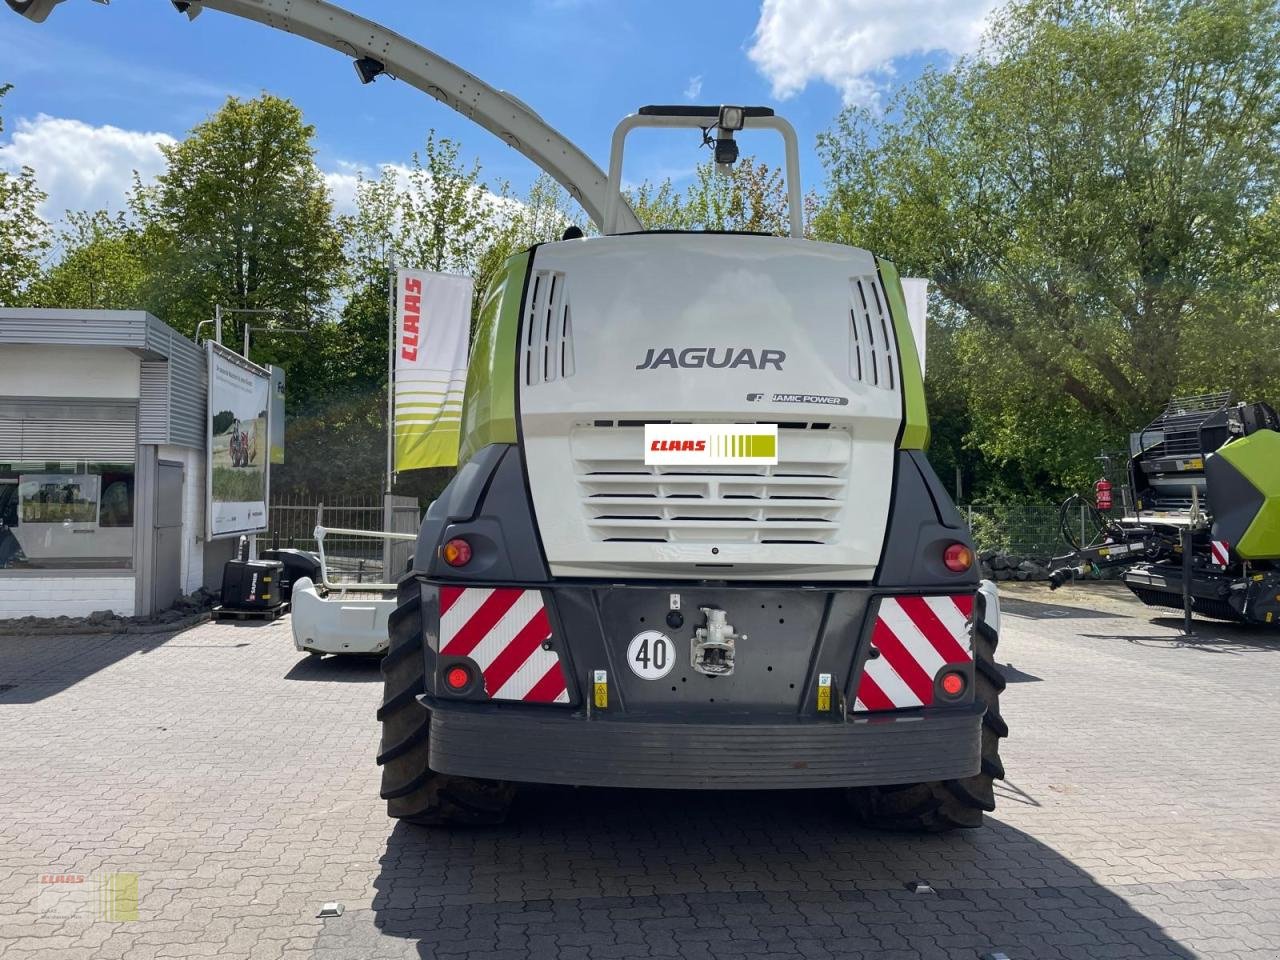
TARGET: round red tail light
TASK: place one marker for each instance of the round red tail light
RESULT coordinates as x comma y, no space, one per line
456,553
958,558
953,684
457,678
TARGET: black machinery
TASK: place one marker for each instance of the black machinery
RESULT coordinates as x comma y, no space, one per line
1200,525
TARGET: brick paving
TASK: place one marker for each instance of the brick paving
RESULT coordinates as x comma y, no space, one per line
235,780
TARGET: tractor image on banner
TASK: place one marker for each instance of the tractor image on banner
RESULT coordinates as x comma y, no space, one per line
238,443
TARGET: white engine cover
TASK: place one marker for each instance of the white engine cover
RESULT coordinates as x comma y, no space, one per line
691,304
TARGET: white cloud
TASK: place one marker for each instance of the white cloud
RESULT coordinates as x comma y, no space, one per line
80,166
86,167
344,181
852,44
694,89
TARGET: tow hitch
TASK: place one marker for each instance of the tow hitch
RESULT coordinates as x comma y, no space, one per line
713,644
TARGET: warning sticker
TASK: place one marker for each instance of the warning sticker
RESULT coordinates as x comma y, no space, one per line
824,692
601,689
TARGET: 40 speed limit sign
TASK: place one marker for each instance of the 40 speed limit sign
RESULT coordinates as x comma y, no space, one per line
651,655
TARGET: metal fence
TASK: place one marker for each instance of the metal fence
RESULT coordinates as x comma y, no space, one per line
1025,530
291,522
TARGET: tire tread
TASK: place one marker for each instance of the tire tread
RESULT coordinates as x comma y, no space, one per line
414,792
942,805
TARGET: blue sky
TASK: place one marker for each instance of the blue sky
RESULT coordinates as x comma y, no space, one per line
96,87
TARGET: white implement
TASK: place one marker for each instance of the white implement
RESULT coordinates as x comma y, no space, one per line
350,618
991,615
378,50
337,623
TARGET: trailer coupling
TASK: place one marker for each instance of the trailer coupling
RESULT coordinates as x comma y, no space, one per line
1090,560
714,644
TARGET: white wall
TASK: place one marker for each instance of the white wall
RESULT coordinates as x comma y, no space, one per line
193,493
64,596
34,370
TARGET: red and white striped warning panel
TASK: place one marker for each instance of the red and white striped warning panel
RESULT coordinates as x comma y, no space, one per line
916,637
1221,551
503,631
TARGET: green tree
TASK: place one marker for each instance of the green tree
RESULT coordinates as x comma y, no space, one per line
241,217
659,206
1091,196
447,212
751,196
102,267
24,236
540,216
432,217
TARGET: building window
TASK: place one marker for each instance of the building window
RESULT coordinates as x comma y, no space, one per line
66,515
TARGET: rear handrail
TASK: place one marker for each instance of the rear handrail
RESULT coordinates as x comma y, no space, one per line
618,216
321,532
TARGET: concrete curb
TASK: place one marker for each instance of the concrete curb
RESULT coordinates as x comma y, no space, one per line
110,628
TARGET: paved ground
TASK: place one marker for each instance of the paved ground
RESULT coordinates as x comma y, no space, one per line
235,780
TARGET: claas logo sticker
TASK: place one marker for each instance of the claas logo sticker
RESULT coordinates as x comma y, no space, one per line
678,446
709,444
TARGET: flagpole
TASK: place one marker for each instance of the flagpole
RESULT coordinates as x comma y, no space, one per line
391,372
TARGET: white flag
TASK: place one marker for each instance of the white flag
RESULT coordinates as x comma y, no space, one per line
433,325
915,292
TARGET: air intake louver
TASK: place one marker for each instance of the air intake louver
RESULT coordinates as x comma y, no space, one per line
548,330
798,501
873,357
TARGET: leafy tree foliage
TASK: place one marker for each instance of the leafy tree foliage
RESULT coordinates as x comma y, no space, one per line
24,236
103,266
439,215
1091,197
752,196
241,217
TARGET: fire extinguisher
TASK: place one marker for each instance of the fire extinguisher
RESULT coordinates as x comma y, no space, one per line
1102,494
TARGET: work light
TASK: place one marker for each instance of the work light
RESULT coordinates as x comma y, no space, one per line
731,118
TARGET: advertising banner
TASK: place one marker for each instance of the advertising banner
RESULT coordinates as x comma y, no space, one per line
238,439
433,325
276,420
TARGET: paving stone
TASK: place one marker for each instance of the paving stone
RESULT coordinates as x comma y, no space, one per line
236,780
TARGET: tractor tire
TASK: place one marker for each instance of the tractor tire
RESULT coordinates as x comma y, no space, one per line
413,791
947,804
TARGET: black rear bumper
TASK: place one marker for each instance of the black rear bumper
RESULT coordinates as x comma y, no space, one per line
542,746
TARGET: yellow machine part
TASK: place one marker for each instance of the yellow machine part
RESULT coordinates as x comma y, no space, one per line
1243,489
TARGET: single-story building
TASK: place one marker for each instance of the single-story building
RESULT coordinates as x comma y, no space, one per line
102,484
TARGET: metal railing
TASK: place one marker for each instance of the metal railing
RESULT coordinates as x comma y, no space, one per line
327,563
356,552
291,522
